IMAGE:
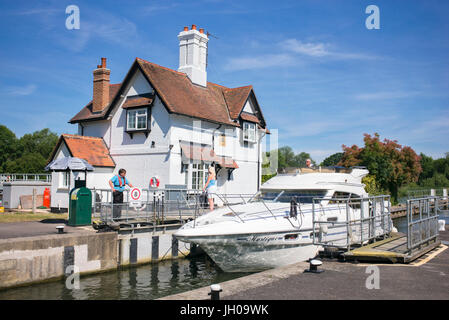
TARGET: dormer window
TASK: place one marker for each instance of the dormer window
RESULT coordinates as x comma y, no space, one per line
249,132
137,119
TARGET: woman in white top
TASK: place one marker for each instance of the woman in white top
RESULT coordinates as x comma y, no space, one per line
211,186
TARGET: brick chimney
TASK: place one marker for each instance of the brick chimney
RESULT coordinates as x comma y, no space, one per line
101,87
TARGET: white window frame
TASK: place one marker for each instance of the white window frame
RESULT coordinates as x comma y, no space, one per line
248,128
192,171
135,113
64,180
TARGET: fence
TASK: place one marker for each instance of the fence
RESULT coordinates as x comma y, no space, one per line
421,193
364,219
422,221
158,206
9,177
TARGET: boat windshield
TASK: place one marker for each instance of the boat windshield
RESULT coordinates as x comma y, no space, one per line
301,196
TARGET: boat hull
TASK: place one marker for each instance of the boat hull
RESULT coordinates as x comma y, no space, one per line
256,252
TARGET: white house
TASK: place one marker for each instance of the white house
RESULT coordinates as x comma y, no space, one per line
167,123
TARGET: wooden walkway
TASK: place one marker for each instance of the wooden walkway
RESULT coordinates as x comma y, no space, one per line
392,249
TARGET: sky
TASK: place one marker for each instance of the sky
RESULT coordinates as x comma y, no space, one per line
321,77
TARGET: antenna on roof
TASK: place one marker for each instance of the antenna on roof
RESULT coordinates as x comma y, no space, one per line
207,48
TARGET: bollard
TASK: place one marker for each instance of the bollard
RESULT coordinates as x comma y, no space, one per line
313,266
60,229
214,293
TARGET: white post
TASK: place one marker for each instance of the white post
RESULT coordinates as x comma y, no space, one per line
34,200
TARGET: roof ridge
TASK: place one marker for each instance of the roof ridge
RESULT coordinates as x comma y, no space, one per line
77,136
162,67
248,86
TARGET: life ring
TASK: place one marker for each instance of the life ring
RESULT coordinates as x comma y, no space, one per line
154,182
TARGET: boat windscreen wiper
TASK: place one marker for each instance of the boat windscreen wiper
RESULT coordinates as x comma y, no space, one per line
280,194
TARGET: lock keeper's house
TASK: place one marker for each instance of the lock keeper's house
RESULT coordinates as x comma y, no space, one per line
172,124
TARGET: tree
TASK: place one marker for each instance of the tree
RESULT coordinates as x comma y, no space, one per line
28,154
28,163
8,146
299,160
332,160
41,142
392,164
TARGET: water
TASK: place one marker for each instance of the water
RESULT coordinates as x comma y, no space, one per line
401,223
149,281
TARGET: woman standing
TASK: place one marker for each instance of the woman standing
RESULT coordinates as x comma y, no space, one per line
211,186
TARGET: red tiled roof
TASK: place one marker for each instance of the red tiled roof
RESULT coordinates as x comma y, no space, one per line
249,117
236,99
87,114
91,149
137,101
213,103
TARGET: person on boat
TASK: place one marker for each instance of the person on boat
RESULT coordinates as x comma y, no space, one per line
309,164
117,184
211,187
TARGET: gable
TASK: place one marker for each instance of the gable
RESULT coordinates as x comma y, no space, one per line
139,85
91,149
248,108
179,95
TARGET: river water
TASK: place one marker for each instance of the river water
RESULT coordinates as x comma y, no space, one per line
149,281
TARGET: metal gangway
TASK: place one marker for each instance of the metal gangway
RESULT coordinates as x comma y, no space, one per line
370,235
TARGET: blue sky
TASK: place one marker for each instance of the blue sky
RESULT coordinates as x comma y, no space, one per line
322,78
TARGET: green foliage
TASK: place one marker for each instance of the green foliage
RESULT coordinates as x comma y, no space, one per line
392,164
285,158
332,160
371,186
29,154
8,146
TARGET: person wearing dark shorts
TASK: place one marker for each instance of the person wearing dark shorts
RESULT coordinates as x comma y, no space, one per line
117,184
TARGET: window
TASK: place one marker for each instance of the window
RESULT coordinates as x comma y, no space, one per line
64,181
196,175
222,140
137,119
249,132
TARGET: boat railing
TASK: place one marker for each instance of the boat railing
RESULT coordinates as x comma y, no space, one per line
366,219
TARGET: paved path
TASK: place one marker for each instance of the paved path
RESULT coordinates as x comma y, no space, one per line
37,228
426,278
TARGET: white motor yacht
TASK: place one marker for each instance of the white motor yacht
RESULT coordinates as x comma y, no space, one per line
276,226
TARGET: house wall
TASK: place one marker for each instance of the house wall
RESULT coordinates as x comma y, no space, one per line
60,195
243,180
144,157
138,155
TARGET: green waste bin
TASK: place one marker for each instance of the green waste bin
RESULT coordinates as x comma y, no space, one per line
80,207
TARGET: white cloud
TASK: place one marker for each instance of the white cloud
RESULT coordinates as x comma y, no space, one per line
258,62
20,91
310,49
385,95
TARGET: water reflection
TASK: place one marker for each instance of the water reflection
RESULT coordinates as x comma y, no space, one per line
150,281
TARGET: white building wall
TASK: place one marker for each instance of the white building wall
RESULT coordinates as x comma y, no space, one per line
144,159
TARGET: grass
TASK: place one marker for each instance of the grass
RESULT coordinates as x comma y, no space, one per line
8,217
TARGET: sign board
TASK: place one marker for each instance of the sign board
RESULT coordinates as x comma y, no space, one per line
135,194
135,199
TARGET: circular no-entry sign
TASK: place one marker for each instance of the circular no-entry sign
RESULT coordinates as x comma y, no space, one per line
136,194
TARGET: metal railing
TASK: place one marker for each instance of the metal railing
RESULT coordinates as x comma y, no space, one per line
158,206
364,219
421,193
10,177
422,221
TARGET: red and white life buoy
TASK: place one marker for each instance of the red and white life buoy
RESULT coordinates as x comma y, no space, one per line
154,182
